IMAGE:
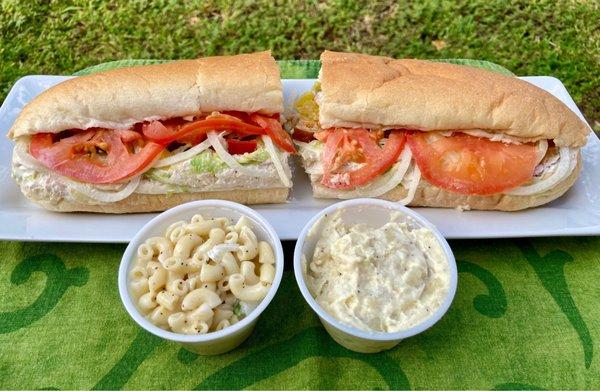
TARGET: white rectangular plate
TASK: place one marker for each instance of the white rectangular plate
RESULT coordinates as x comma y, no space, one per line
576,213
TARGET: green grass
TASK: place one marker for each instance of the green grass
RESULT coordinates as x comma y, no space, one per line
530,38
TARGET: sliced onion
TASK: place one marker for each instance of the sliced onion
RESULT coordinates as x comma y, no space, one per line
276,162
566,163
24,158
384,183
217,141
542,148
190,153
412,182
102,195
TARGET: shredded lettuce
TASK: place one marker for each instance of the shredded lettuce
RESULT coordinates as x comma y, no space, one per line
209,161
158,174
206,161
259,156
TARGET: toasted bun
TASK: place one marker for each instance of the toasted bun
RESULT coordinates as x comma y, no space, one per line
432,196
138,203
119,98
371,91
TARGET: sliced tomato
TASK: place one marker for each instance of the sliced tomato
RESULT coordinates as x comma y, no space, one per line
303,135
273,128
343,146
238,147
357,145
129,136
193,139
164,133
472,165
75,156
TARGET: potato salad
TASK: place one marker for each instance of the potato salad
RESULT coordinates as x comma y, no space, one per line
384,279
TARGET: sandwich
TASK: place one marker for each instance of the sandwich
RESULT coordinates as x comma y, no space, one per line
147,138
435,134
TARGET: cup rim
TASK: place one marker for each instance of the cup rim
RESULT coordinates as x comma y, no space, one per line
165,217
376,335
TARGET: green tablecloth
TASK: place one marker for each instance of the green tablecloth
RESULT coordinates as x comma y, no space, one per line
526,315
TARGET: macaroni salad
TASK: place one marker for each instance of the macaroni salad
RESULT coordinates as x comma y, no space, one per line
201,275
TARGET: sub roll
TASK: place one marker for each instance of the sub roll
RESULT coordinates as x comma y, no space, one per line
435,134
147,138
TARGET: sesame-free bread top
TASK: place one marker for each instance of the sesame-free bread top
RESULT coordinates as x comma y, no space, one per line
370,91
119,98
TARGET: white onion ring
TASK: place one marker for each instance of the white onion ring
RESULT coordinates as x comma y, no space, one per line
542,148
102,195
185,155
276,162
383,183
24,158
566,163
215,141
413,178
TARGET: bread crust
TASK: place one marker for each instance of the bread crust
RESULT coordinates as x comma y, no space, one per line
119,98
140,203
372,91
433,196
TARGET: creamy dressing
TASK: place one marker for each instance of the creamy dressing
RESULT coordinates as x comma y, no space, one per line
383,279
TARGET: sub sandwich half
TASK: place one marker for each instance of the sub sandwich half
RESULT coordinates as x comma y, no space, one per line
147,138
434,134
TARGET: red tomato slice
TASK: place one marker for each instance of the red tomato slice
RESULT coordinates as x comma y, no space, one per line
472,165
357,145
128,136
274,130
164,133
303,135
193,139
161,132
238,147
75,156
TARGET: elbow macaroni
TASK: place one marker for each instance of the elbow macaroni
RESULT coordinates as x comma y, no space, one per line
249,248
179,285
265,253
